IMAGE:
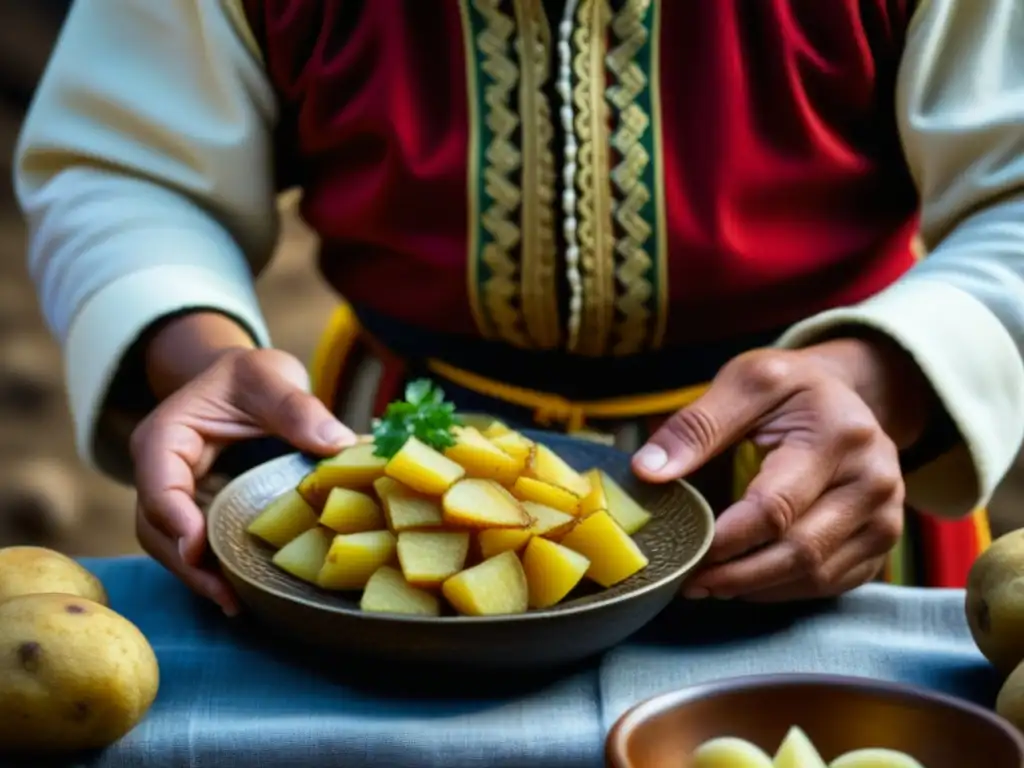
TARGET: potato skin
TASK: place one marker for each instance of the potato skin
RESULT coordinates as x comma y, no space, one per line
36,570
73,674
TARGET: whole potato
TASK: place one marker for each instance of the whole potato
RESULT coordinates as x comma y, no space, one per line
73,674
35,570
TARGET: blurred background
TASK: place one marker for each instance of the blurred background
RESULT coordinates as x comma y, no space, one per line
47,496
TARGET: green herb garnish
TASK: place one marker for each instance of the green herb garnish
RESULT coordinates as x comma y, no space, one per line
423,414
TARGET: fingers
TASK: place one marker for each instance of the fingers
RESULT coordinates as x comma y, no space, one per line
791,479
168,457
162,548
270,386
816,557
745,391
807,589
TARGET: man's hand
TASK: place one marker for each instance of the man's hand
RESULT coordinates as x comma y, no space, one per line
827,505
244,394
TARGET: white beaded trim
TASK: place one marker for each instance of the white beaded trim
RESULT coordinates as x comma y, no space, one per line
572,248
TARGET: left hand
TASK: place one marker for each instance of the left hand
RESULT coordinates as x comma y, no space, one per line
827,505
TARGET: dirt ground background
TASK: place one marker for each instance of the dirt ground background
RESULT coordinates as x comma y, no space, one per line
46,495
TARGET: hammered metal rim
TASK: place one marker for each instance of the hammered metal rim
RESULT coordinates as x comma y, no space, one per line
701,509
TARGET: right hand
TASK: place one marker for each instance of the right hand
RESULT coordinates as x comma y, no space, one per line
245,393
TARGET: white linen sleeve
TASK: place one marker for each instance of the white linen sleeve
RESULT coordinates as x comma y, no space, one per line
960,312
144,170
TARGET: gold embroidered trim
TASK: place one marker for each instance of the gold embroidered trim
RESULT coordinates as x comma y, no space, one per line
594,229
503,160
661,237
472,173
631,35
539,296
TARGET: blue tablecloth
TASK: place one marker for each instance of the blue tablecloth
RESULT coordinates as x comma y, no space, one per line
229,697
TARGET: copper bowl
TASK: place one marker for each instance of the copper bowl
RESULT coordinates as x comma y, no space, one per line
839,714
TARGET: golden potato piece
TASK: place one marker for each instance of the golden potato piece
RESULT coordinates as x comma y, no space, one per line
530,489
348,511
552,571
494,587
355,467
496,429
608,495
283,519
304,555
494,541
613,555
476,503
596,499
406,510
797,751
36,570
514,444
353,558
548,521
387,591
547,466
74,675
429,557
730,752
482,458
423,469
875,758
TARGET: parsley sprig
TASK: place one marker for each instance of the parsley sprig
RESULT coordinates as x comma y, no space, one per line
424,414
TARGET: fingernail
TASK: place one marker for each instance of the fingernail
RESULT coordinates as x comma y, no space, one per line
696,593
182,548
333,433
652,457
230,611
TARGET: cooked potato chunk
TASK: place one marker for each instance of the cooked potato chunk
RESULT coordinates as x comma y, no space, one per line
482,458
348,511
530,489
406,510
283,519
428,557
496,429
476,503
552,571
514,444
596,499
608,495
494,587
304,556
546,465
613,555
387,591
547,521
730,752
353,558
355,467
494,541
797,751
423,469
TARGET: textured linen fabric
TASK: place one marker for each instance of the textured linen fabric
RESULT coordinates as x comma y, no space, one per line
230,698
